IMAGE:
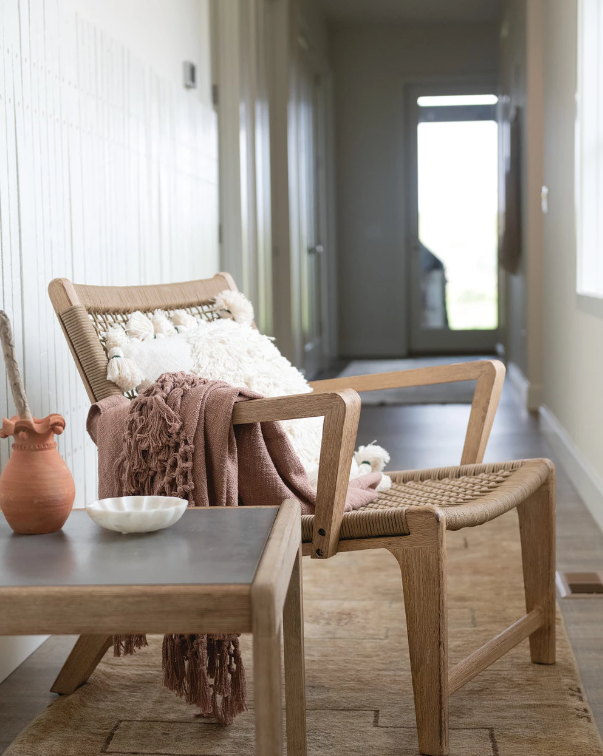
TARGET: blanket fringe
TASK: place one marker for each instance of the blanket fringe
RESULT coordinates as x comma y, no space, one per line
157,458
191,661
126,645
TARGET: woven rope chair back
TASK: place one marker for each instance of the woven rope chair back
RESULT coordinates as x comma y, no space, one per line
86,312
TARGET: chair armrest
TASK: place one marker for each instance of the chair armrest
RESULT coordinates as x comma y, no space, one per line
490,375
341,411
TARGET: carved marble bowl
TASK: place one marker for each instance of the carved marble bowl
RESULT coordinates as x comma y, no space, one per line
137,514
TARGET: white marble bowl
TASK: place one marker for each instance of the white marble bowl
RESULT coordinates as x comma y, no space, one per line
137,514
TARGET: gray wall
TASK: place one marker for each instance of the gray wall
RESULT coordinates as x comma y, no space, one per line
371,64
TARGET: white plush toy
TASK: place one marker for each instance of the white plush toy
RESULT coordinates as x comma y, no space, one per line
231,350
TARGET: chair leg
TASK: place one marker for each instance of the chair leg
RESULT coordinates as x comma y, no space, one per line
81,662
537,531
424,583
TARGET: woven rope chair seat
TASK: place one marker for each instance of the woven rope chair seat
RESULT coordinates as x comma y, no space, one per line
469,495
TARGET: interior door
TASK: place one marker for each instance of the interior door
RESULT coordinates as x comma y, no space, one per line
453,221
312,246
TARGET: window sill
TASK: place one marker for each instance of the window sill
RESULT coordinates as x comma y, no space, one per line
591,304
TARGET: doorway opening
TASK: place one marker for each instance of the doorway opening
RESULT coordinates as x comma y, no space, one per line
454,222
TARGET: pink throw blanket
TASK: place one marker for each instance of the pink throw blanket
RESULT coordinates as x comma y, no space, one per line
177,439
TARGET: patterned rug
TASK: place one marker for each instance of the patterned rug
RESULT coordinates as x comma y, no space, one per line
443,393
359,693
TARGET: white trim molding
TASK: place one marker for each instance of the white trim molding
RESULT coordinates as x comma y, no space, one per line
530,394
585,479
590,303
14,650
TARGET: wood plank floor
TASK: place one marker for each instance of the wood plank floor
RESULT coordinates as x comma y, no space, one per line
415,436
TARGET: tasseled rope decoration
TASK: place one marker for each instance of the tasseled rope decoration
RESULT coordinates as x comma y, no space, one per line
184,321
12,368
235,305
161,325
120,370
373,458
372,455
139,327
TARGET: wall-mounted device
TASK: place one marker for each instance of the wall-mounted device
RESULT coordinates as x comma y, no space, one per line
189,71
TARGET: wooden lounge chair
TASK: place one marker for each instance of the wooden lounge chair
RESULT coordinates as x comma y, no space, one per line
410,520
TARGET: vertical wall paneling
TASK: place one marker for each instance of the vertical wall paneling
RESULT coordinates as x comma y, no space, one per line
10,217
4,231
108,176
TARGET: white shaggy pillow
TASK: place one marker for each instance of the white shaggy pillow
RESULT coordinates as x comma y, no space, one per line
159,356
240,355
230,350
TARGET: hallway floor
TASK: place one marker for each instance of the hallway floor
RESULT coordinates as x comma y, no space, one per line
415,436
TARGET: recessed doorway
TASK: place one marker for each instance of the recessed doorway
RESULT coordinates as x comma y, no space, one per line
453,216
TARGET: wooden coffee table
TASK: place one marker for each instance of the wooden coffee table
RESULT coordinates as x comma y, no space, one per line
218,570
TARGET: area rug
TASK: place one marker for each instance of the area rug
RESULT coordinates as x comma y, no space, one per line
359,695
443,393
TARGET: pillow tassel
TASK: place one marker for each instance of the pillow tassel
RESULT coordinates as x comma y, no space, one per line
161,325
139,327
123,372
184,321
234,305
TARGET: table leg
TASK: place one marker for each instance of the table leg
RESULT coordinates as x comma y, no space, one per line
267,692
81,662
295,690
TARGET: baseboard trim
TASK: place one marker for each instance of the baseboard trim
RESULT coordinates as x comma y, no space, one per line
14,649
530,394
582,474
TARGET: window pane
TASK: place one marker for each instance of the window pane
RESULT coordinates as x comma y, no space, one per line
589,149
458,216
443,100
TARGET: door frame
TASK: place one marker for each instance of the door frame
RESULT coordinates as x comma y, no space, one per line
240,70
288,28
481,342
254,53
311,203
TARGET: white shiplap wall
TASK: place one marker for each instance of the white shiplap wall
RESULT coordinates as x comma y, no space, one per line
108,175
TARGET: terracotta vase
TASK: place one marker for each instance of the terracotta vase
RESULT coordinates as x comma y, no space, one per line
36,486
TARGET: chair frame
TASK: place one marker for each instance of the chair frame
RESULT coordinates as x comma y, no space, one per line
421,554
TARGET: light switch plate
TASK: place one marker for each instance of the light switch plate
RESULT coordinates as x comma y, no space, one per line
189,71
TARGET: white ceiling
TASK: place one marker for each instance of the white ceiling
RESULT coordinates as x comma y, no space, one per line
413,11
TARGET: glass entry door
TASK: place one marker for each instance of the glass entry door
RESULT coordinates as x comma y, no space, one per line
454,216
